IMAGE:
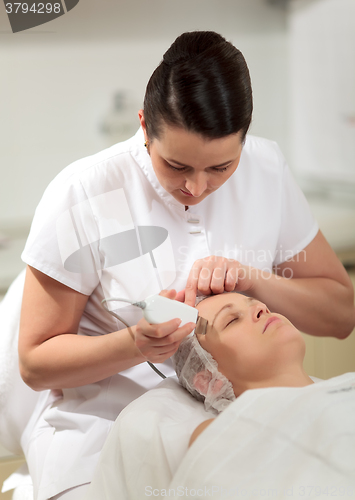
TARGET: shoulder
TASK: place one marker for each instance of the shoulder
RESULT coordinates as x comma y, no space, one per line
257,145
262,153
199,429
113,158
261,166
112,168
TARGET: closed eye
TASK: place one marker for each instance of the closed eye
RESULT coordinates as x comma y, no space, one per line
177,169
182,169
234,319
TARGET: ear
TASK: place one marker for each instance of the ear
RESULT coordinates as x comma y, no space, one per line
142,122
201,381
217,386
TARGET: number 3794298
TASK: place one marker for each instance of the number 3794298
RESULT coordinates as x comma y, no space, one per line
32,8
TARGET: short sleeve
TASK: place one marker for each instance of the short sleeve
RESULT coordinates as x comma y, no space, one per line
64,231
298,226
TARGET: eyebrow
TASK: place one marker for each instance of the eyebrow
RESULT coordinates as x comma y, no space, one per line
187,166
228,306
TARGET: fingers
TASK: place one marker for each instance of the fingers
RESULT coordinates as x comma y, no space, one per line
157,331
207,276
231,279
158,342
213,275
170,294
192,283
180,296
218,276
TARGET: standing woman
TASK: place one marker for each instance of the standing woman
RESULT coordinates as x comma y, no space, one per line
189,203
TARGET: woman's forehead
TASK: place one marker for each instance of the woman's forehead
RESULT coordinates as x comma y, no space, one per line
212,304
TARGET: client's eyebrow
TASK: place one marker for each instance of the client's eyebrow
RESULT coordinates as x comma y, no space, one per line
228,306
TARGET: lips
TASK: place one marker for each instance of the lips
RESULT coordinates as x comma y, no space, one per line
269,321
187,194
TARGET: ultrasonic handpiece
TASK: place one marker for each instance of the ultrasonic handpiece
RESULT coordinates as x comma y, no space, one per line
158,309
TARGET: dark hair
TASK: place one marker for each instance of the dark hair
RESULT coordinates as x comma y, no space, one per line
203,85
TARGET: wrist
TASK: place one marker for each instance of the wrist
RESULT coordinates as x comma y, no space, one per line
138,355
126,347
248,278
263,284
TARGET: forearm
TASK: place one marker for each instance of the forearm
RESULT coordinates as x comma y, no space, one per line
71,360
317,306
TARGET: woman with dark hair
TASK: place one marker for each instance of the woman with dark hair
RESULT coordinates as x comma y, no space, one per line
203,86
189,203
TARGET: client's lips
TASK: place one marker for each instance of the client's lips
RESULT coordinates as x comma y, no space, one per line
269,321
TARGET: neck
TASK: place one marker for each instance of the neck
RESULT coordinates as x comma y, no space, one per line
295,379
291,378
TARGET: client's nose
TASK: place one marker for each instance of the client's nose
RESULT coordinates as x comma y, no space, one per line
260,310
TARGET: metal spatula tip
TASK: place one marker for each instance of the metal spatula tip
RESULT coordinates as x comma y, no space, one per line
201,326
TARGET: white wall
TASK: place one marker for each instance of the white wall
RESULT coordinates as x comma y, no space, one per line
57,80
322,91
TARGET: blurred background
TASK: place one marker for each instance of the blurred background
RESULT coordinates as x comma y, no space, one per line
72,87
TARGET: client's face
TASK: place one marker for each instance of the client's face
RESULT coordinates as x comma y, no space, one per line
251,345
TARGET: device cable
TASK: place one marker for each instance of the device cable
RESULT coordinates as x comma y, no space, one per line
141,305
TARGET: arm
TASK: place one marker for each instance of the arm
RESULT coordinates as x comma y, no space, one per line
53,356
319,299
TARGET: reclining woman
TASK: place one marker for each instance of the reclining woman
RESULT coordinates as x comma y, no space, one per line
245,346
277,434
280,434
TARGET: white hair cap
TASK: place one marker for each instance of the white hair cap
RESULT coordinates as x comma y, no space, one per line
192,361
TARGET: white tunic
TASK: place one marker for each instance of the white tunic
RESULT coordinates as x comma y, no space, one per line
105,227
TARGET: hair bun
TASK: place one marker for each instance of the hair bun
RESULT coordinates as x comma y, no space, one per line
191,44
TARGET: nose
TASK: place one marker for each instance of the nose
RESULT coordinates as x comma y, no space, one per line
196,184
259,310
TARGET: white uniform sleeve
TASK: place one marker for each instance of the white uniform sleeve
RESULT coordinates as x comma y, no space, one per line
298,226
63,235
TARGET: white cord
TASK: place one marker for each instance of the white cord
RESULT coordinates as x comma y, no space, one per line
111,299
141,305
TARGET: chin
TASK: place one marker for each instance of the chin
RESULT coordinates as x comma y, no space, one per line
294,338
292,332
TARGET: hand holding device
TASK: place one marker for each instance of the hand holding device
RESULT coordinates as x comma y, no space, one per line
159,309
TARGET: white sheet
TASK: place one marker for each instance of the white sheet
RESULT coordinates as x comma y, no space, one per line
278,443
274,443
147,443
